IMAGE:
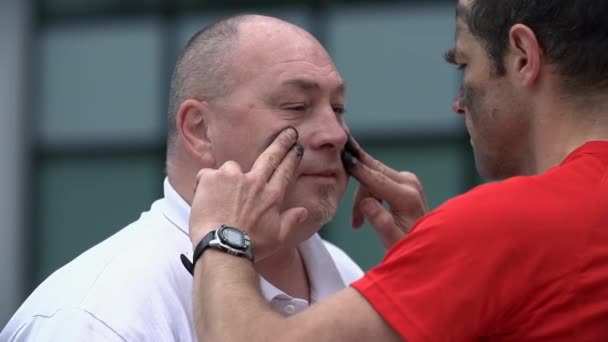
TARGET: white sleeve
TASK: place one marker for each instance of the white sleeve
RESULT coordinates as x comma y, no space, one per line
66,325
349,270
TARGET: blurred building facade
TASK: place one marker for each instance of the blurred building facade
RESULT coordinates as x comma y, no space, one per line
84,92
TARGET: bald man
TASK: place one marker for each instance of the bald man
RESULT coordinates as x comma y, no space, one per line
237,84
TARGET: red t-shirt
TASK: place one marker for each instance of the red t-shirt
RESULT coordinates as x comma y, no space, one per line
525,259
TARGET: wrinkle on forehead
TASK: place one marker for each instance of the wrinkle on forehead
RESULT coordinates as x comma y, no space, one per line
273,47
327,65
271,36
283,48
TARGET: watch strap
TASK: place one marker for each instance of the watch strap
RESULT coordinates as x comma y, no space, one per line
200,248
198,251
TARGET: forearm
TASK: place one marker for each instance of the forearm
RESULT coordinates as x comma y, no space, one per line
228,305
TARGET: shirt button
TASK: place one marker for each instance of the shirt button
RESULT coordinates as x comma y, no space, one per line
290,309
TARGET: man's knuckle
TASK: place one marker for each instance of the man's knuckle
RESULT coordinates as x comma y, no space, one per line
273,194
411,179
272,161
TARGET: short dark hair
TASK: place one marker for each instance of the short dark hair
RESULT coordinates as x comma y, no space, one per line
203,69
573,35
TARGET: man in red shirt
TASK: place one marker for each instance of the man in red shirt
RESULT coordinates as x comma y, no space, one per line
524,259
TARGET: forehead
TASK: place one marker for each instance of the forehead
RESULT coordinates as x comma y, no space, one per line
281,51
464,39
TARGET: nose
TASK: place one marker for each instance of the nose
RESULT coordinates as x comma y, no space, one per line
329,132
457,103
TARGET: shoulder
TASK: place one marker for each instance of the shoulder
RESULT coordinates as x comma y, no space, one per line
144,289
71,324
521,221
497,212
348,269
490,203
133,282
559,200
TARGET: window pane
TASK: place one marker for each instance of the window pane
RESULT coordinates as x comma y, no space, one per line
81,201
441,169
57,7
391,58
65,8
240,5
101,82
189,24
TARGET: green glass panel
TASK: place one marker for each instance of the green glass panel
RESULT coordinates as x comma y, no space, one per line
81,201
75,8
391,57
101,82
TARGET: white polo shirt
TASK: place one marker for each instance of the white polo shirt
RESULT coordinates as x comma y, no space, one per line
133,287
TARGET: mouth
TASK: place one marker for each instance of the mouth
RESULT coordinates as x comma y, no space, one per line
325,176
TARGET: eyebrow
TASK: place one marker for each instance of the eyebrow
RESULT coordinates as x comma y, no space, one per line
307,85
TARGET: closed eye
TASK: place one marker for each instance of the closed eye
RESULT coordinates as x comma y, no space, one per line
340,110
451,57
296,107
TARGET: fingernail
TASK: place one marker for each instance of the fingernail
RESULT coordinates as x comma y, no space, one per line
351,146
292,132
299,149
348,160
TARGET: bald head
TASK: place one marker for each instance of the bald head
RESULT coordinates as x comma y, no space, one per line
206,69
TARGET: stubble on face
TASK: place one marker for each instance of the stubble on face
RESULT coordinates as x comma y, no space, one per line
473,100
328,205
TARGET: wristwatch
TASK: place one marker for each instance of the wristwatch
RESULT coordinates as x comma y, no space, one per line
226,239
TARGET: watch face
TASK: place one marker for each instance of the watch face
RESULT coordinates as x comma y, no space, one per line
233,237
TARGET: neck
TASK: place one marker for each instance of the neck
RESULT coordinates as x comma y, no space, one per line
567,126
286,270
182,177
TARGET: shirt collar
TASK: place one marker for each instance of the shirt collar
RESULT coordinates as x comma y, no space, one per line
175,208
322,271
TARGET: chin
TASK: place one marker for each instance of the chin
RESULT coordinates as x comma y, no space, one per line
320,210
320,216
320,200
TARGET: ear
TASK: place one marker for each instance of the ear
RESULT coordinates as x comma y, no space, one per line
192,122
525,57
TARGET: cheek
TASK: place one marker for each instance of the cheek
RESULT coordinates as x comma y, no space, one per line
475,102
237,144
254,140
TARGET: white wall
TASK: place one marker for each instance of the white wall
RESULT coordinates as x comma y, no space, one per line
14,28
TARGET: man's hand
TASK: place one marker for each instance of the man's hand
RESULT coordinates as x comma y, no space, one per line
251,201
402,191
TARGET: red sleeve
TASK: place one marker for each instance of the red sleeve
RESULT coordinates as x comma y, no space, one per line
451,277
